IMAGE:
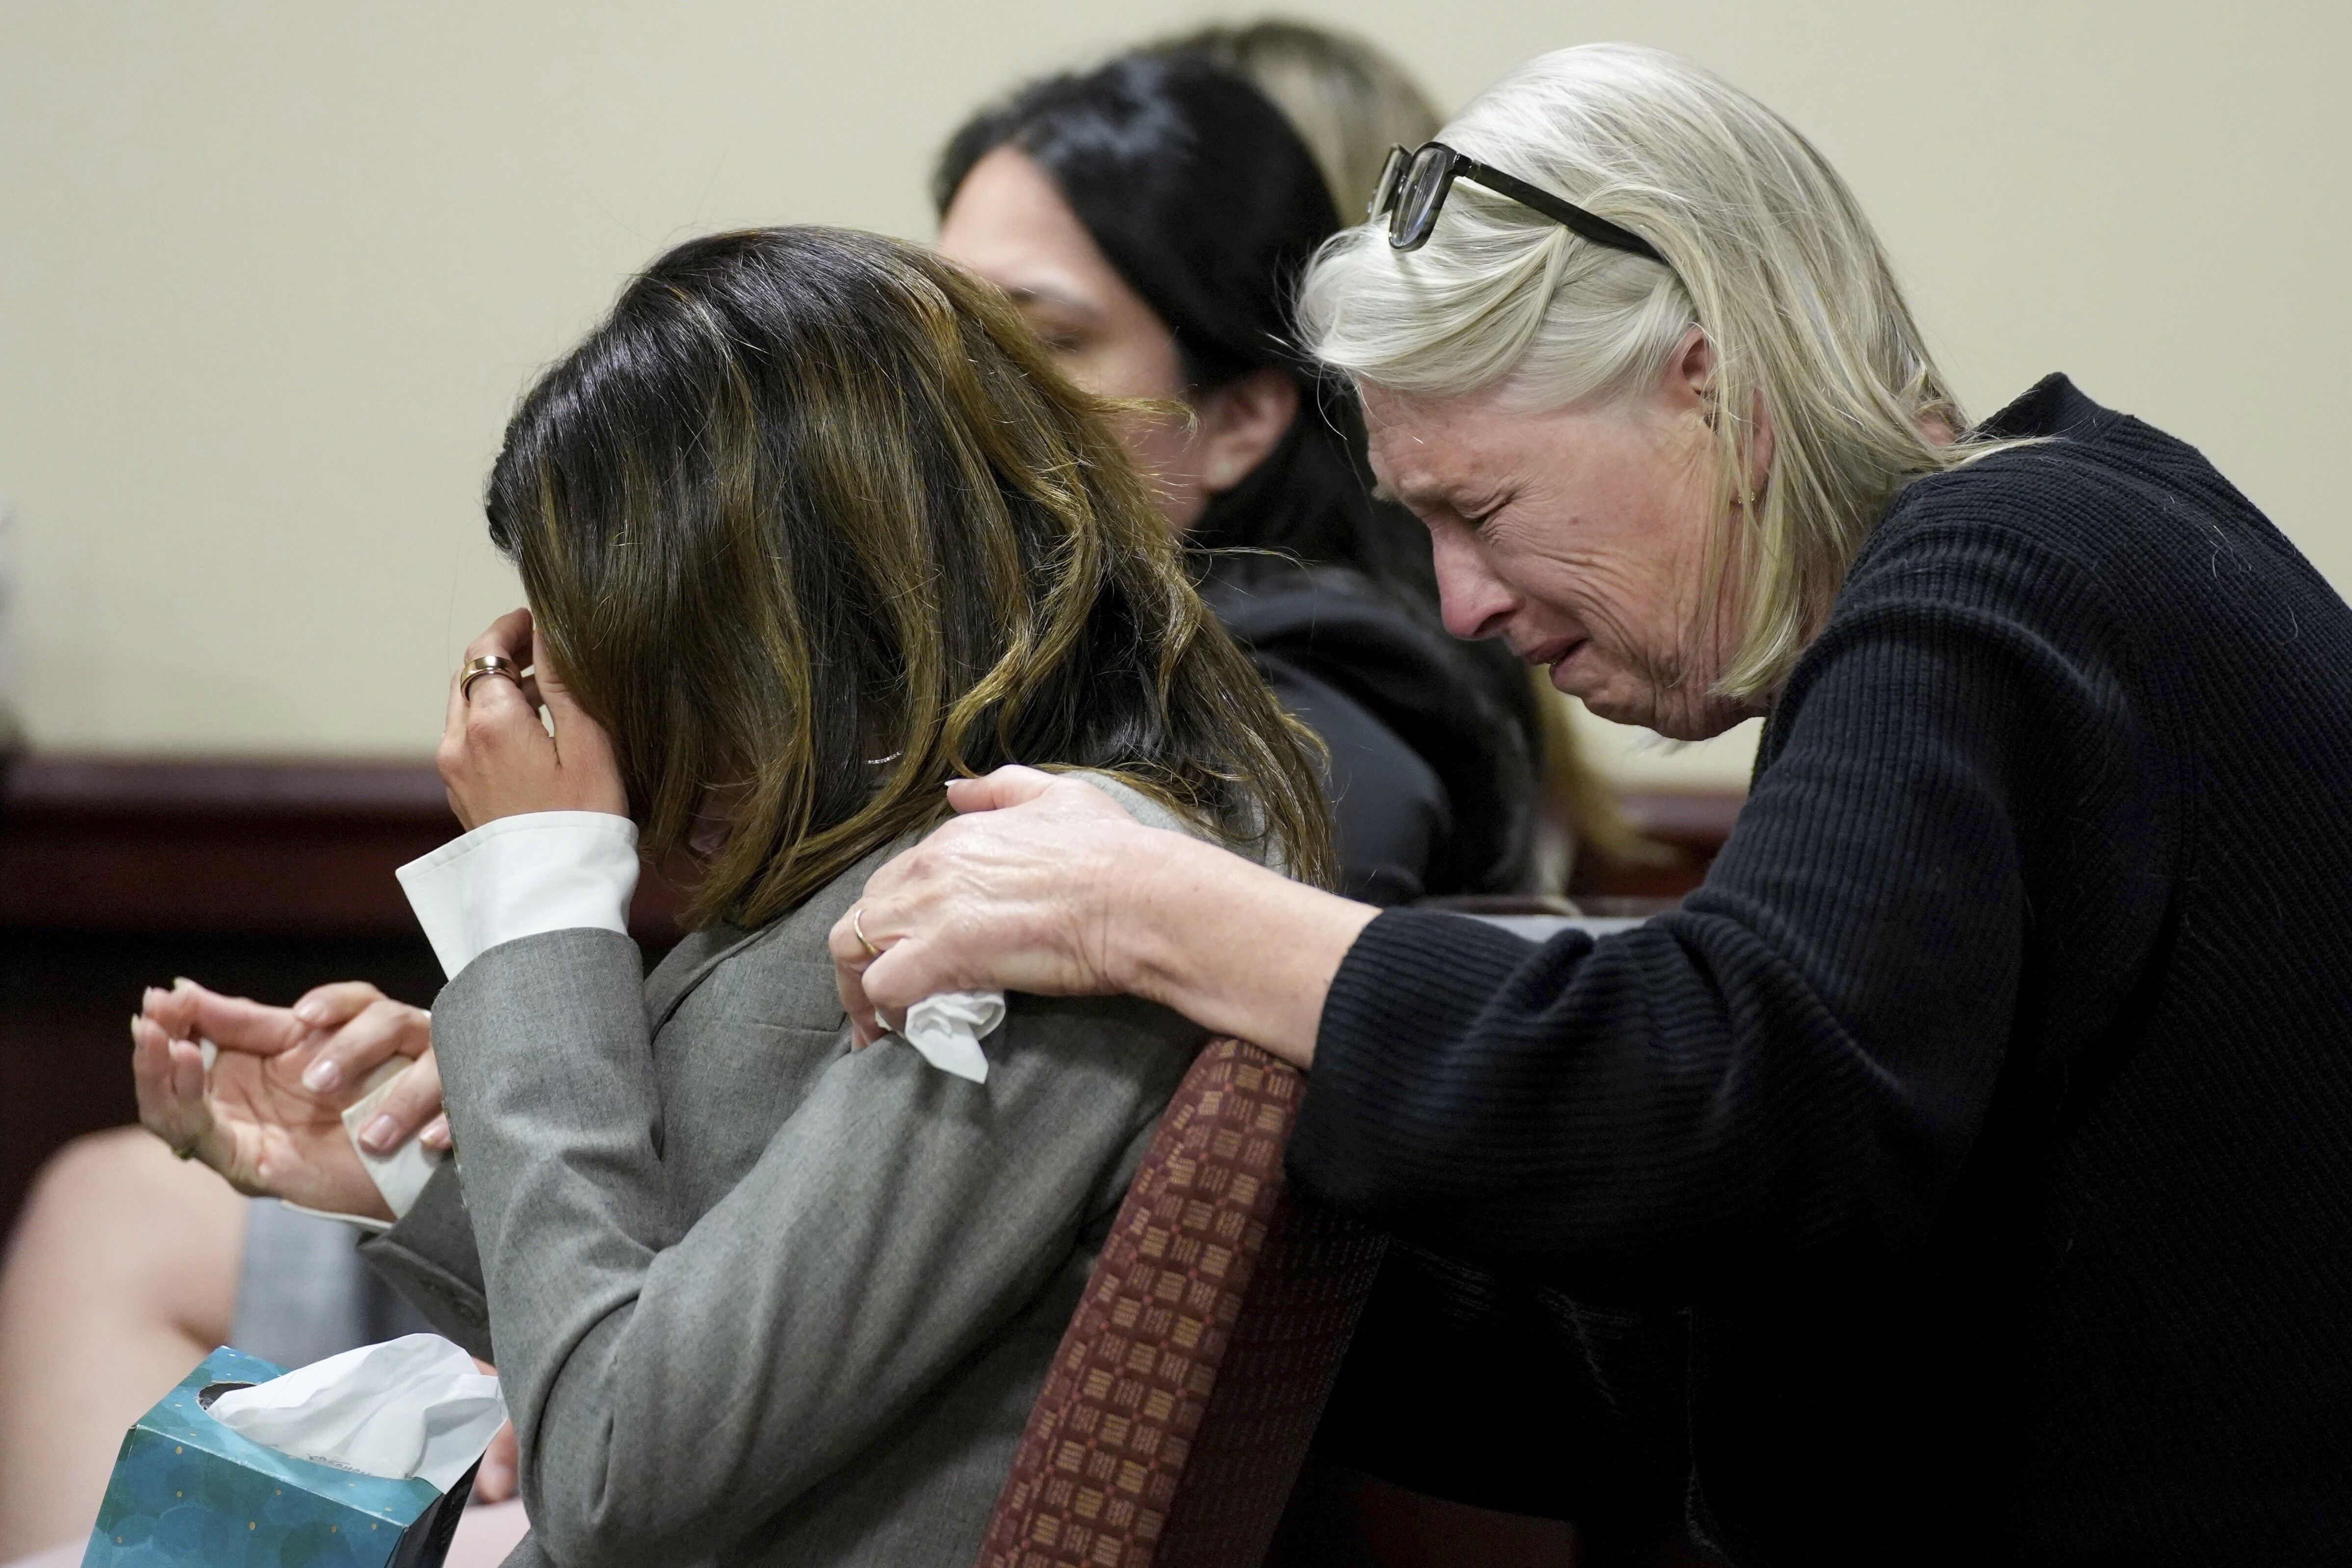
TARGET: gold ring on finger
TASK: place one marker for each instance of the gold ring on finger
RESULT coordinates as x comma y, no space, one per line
858,929
488,664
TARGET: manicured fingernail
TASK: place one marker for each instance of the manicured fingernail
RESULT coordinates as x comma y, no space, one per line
179,981
436,1136
321,1076
379,1134
150,996
310,1011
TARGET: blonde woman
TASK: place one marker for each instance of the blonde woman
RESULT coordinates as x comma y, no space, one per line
1350,102
1983,1115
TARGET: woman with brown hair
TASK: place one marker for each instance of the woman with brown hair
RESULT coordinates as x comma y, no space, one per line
810,527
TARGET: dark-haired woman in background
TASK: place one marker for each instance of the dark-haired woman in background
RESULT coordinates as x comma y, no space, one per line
1150,218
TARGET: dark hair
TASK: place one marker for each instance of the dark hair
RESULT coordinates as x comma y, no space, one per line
1203,198
812,523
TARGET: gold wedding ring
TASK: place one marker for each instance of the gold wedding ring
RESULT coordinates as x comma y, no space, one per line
858,929
488,664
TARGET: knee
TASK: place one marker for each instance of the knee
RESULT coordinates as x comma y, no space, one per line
111,1157
108,1178
113,1219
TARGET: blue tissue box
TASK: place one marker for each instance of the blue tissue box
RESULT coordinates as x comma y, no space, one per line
188,1493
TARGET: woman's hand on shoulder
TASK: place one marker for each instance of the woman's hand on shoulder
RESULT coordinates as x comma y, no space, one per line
496,757
1015,894
268,1114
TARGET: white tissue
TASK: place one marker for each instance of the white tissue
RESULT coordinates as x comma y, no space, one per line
409,1406
401,1175
948,1030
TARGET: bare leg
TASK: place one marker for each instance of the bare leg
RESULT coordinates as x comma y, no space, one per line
487,1535
122,1275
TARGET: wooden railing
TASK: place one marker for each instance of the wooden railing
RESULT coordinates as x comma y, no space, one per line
261,848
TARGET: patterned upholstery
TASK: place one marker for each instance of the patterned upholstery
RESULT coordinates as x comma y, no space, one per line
1179,1407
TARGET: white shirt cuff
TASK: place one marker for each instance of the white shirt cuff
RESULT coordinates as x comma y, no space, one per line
522,876
519,876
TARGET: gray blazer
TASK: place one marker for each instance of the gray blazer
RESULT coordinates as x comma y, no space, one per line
755,1298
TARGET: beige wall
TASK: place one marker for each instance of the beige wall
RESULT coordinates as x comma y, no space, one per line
272,273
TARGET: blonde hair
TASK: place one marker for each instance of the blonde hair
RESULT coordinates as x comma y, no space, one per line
1349,102
1766,251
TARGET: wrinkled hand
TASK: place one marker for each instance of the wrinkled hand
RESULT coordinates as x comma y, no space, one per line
1012,897
268,1116
497,759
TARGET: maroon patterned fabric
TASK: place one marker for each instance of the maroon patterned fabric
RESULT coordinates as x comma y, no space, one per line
1180,1404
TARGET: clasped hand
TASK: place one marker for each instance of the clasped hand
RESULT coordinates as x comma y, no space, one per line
268,1114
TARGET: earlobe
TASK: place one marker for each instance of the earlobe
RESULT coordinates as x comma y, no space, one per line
1243,422
1695,363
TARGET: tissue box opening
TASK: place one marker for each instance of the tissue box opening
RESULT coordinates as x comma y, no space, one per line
188,1493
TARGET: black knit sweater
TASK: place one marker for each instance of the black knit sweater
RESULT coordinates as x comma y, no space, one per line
1987,1114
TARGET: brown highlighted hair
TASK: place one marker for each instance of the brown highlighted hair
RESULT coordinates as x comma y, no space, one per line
810,525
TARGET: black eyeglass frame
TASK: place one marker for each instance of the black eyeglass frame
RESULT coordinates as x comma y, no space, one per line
1409,229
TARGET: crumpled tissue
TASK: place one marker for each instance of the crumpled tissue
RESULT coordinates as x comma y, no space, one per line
948,1030
410,1406
401,1175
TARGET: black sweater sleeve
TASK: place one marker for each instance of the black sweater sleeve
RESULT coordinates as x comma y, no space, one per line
1801,1058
